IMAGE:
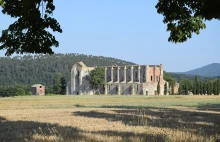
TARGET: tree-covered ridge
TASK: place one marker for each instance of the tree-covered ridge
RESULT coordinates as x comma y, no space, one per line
28,70
179,77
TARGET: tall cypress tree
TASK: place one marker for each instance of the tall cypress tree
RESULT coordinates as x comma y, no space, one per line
165,88
214,88
201,88
158,88
218,86
195,86
198,88
210,87
186,88
207,88
172,89
204,88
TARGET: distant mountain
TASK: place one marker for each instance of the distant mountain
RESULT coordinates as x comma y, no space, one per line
212,70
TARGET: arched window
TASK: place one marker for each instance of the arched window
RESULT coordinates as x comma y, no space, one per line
151,78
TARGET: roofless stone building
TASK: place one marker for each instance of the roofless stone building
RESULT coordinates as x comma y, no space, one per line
120,80
38,89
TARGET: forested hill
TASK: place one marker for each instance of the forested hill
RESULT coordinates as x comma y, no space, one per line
28,70
180,77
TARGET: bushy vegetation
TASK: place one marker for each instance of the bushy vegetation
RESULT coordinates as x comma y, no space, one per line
16,90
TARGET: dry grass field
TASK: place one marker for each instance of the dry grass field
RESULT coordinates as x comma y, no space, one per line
110,118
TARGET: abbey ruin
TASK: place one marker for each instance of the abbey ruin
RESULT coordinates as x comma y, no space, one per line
120,80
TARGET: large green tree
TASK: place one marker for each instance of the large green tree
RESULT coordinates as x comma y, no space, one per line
185,17
30,33
97,78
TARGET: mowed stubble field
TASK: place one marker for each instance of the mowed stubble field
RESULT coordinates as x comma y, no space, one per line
110,118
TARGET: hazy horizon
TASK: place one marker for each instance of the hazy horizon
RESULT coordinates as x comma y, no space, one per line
131,31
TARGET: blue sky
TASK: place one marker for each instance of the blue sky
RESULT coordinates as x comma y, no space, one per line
130,30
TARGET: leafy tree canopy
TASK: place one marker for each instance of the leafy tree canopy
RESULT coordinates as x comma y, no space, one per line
1,3
185,17
97,77
30,32
186,86
169,78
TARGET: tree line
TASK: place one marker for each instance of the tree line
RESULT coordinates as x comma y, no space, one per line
29,70
171,81
198,87
53,71
58,87
19,73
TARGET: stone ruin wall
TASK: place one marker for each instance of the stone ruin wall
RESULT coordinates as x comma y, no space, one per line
120,80
130,80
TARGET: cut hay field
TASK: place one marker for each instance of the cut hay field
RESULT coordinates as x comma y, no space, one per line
110,118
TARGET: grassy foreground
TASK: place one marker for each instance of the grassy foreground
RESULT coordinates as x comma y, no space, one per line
110,118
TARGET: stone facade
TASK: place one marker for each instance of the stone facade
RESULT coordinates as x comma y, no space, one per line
176,88
80,79
120,80
134,80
